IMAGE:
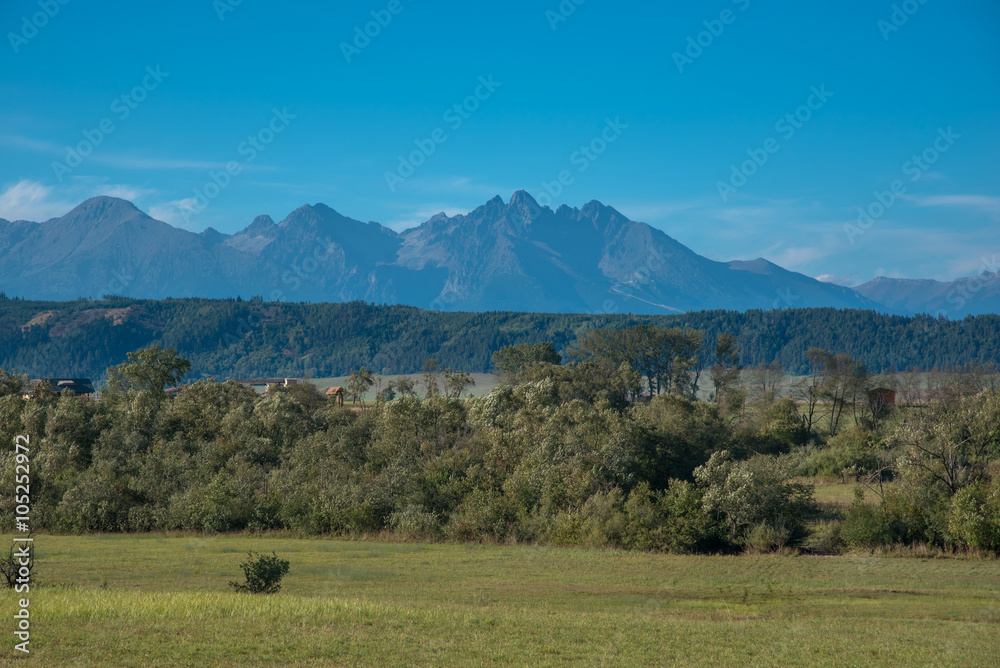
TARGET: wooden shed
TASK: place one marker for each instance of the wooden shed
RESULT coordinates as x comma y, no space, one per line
883,396
337,392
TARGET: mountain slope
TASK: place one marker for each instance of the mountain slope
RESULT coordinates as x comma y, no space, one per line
106,245
593,259
972,295
500,256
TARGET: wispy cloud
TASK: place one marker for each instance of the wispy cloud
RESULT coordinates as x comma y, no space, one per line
982,203
422,215
847,280
124,161
656,211
30,200
795,258
33,200
29,144
174,212
461,185
134,162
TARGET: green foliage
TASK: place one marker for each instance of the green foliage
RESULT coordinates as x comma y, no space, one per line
263,574
756,498
726,370
11,383
416,523
10,566
866,525
951,445
668,358
358,383
974,520
148,370
244,339
512,361
677,435
851,453
570,455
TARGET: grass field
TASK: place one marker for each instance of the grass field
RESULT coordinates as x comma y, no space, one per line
159,600
484,383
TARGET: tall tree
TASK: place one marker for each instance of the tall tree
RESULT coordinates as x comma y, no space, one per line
359,383
726,370
151,370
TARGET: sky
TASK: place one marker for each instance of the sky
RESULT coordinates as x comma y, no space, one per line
842,140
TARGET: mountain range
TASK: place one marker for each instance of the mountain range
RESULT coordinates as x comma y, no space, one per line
511,256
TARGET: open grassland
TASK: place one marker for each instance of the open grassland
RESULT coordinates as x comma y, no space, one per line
484,383
159,600
837,495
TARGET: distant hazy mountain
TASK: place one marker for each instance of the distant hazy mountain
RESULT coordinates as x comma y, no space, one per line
501,256
973,295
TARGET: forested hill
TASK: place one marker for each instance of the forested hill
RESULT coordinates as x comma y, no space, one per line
239,339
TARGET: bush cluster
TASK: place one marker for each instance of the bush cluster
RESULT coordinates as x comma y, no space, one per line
532,462
563,454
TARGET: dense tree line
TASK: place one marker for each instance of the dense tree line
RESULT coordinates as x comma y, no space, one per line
241,339
586,452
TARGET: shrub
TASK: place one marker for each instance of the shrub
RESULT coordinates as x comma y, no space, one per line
850,452
263,574
10,567
414,522
974,520
690,528
754,492
765,537
866,525
826,538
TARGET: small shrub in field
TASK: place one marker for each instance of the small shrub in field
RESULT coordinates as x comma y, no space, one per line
263,574
866,526
826,538
10,567
415,523
764,538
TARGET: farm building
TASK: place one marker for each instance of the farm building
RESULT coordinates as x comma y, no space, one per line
337,392
882,396
81,386
264,384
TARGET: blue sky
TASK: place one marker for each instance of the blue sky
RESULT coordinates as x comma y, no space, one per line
648,108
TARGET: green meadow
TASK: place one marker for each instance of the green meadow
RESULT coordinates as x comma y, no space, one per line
163,600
